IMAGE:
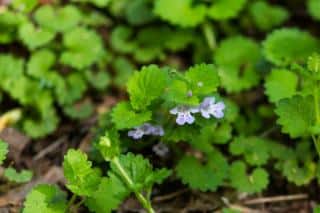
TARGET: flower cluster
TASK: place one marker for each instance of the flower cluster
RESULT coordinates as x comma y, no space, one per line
145,129
208,108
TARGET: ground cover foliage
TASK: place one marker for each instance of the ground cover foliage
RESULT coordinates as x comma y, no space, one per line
211,96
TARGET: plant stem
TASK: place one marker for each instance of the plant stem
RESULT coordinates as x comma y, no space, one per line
316,144
209,34
76,207
71,201
316,104
144,202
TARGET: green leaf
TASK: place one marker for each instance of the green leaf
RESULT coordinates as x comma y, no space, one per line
34,37
289,45
202,140
222,134
83,48
146,86
79,110
45,199
139,12
113,190
124,69
3,151
313,7
81,178
230,210
140,171
120,39
316,209
98,3
72,89
124,117
249,183
40,63
109,195
178,93
237,58
225,9
19,177
275,86
99,80
267,16
205,177
181,133
24,5
58,19
9,23
180,12
300,173
296,115
109,145
204,79
255,150
39,127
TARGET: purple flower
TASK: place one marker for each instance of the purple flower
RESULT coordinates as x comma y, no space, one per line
145,129
157,130
184,114
209,108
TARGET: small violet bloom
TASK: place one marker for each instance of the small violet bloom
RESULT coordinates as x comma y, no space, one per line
145,129
208,107
157,131
184,114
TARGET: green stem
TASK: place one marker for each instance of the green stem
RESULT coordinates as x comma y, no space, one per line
316,144
76,207
317,112
316,104
209,34
144,202
71,201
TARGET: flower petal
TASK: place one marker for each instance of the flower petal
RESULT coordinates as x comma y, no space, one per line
174,111
189,118
205,114
181,119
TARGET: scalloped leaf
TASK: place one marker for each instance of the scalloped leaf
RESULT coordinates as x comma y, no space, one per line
18,177
296,115
59,19
124,117
110,194
83,48
249,183
46,199
225,9
313,7
205,177
204,79
146,86
255,150
267,16
34,37
275,86
237,58
180,12
289,45
82,179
